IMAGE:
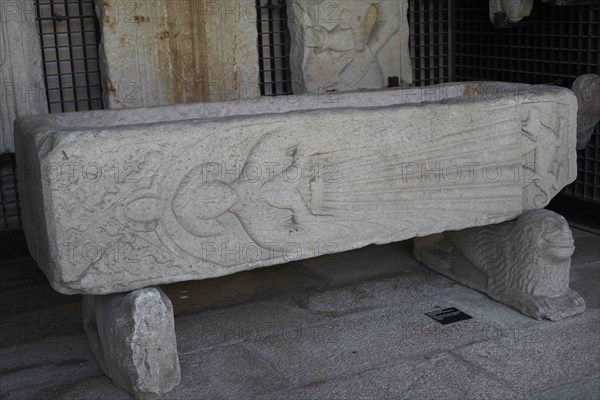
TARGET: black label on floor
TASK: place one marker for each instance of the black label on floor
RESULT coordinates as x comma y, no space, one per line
448,315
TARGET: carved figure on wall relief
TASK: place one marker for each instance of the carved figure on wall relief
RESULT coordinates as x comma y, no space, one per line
513,10
337,45
587,89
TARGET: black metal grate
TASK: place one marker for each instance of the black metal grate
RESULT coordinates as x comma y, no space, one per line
556,46
430,41
69,38
273,48
10,209
69,34
587,185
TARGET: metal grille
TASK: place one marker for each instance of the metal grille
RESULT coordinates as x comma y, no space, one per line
587,184
10,209
555,46
273,48
69,36
69,39
430,41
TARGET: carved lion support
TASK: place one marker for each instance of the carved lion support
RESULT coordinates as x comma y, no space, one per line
132,336
524,263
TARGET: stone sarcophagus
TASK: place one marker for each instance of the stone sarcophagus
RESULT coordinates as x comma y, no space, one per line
123,199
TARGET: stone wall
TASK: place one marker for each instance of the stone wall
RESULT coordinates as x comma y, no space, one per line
21,82
158,52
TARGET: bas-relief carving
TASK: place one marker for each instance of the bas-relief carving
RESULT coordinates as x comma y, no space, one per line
514,10
341,45
303,200
587,89
542,173
230,195
523,263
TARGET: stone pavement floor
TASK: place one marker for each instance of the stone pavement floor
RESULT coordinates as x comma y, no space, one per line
343,326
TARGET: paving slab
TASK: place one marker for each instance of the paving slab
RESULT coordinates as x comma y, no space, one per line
587,250
200,295
361,341
500,320
26,298
34,325
410,285
586,389
585,280
577,232
380,345
440,376
544,357
49,362
249,321
93,388
230,372
361,264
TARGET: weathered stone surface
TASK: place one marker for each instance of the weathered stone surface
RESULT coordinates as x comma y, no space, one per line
346,346
534,359
201,331
158,52
347,45
587,89
585,268
21,81
514,10
366,263
26,327
192,297
132,336
438,376
524,263
111,202
586,389
228,372
48,362
409,287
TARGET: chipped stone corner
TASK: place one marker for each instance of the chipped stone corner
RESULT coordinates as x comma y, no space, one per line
132,335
